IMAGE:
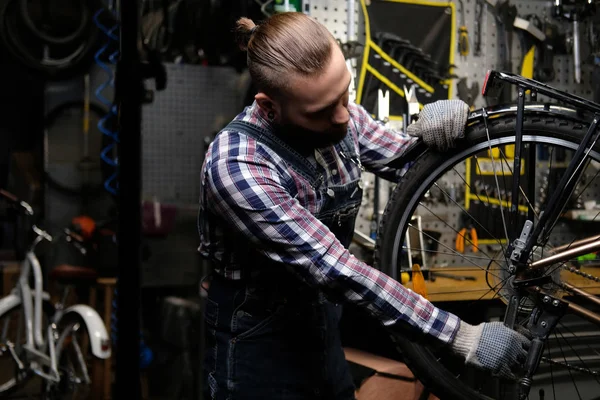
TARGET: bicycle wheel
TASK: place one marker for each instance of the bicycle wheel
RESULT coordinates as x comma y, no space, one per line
426,213
74,360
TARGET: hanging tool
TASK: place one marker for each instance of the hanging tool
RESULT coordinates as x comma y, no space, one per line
505,16
477,30
418,281
386,42
554,43
413,104
86,164
532,40
466,93
463,34
507,21
435,274
575,14
466,233
383,106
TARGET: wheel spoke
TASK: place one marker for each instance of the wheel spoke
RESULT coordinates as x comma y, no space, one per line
487,132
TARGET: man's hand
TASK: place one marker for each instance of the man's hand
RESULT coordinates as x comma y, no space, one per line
441,123
491,346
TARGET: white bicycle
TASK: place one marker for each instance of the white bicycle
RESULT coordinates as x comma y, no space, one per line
38,338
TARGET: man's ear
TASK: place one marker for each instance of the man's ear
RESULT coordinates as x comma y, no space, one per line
268,105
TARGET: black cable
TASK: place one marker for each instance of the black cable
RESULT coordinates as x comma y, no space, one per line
84,23
62,62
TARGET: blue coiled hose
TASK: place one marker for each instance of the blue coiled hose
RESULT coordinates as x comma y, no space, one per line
111,183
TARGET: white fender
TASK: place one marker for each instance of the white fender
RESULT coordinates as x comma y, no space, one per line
99,339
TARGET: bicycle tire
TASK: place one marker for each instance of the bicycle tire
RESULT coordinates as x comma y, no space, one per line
49,121
60,69
61,390
543,128
86,19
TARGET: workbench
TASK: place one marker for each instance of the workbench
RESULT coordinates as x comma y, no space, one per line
447,289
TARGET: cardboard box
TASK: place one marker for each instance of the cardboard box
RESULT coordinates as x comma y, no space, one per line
388,379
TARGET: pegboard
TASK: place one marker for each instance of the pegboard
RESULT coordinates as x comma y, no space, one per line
334,15
197,102
474,69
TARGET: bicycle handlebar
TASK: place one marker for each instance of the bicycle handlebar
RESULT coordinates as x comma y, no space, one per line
11,198
27,210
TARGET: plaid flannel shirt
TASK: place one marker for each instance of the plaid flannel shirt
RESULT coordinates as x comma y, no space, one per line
256,194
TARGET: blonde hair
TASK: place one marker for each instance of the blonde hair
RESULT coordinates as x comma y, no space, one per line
285,44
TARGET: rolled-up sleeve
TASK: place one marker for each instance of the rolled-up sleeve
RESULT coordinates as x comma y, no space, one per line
378,142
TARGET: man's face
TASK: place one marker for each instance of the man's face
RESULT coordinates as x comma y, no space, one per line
315,110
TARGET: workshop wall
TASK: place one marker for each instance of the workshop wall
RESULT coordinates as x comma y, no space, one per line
206,87
62,149
468,76
199,99
197,102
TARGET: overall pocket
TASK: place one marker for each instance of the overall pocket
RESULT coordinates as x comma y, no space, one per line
255,316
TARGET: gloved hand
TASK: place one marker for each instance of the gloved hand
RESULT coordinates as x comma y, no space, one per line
441,123
491,346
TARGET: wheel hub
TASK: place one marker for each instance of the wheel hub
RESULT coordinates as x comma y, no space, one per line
501,279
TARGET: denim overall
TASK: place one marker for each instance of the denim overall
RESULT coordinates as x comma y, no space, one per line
270,335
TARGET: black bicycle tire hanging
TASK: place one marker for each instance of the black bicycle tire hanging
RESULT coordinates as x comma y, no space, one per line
54,40
49,121
25,46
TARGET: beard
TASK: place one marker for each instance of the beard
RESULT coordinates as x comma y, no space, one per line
305,140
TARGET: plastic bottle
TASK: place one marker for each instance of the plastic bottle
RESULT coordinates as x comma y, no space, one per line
293,6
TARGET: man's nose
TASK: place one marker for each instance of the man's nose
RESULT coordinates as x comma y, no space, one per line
340,116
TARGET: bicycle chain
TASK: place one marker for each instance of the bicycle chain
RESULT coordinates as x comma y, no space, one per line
569,366
581,273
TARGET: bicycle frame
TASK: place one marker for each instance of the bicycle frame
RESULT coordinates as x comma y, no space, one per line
527,280
493,84
40,347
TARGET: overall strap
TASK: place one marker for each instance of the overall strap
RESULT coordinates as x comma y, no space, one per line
300,163
347,145
349,150
296,161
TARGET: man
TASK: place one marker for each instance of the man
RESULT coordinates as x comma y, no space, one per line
280,193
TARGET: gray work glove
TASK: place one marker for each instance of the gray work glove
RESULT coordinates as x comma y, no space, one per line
441,123
491,346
